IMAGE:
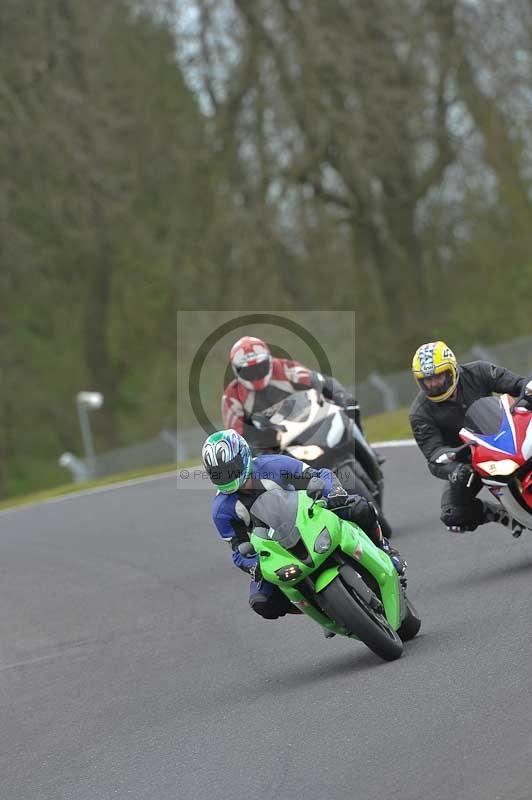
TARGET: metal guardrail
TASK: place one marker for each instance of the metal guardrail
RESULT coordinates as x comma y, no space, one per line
380,393
376,394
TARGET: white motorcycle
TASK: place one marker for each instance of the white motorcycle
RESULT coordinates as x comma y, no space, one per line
308,427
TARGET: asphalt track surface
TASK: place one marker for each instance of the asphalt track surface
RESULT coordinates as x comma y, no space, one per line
132,667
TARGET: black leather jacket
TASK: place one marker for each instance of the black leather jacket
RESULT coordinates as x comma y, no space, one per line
435,425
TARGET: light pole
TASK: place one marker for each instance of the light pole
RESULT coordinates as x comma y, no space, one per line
84,402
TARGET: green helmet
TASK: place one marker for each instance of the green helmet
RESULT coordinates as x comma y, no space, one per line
227,460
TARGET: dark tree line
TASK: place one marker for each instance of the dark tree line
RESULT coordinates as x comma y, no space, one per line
248,154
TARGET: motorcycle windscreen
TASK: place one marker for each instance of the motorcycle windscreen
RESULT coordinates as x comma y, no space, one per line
295,407
485,416
274,514
260,439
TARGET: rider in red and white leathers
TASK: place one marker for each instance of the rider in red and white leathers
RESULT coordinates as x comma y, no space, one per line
262,380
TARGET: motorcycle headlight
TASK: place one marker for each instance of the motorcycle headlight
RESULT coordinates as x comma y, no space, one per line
323,542
305,452
504,467
288,573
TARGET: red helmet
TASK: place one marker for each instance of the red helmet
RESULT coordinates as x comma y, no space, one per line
251,361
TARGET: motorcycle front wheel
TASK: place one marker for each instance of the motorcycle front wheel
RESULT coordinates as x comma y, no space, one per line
350,612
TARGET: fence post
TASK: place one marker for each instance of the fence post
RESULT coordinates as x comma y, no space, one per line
480,351
388,393
172,439
181,448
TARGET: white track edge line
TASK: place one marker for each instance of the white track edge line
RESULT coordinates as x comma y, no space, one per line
395,443
95,490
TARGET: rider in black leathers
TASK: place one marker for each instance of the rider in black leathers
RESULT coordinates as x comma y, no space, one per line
435,424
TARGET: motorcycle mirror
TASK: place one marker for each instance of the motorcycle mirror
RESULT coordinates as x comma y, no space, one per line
315,488
262,423
246,549
317,381
258,421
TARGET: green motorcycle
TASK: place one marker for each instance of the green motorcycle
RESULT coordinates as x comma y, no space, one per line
330,569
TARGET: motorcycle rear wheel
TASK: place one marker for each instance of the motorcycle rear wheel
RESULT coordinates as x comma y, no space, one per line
351,613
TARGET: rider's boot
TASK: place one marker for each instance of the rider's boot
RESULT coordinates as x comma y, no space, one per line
497,513
399,563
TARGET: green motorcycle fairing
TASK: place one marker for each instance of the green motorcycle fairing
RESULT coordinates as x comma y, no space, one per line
286,537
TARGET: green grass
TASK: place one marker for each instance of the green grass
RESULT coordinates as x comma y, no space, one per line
390,425
378,427
57,491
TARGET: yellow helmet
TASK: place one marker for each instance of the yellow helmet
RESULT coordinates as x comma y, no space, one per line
433,359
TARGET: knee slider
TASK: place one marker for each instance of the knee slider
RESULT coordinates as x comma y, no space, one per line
466,519
262,605
452,516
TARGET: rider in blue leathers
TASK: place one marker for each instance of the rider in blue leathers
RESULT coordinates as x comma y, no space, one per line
241,479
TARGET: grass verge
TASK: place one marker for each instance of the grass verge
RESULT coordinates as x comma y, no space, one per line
390,425
57,491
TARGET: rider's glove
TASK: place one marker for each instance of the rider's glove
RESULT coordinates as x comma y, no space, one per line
254,571
336,497
351,408
460,475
